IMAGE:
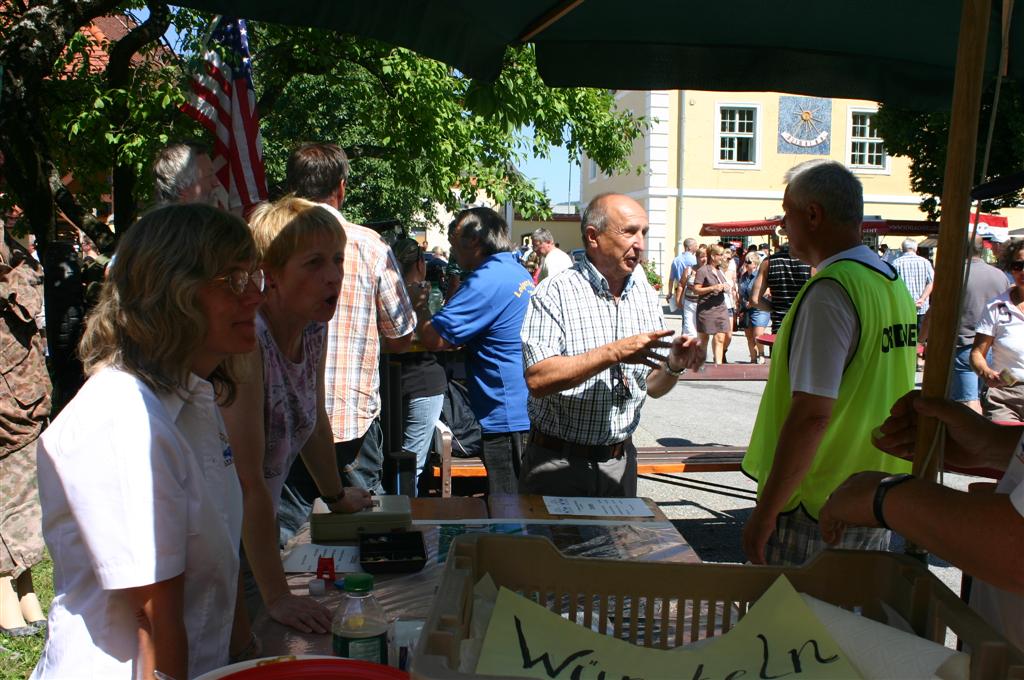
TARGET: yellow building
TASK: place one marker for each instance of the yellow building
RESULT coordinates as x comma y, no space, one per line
722,156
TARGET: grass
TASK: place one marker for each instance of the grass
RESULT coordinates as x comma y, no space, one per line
18,656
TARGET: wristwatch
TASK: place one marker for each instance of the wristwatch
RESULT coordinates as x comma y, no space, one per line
884,487
674,374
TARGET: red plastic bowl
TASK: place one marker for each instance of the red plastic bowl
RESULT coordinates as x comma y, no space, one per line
319,669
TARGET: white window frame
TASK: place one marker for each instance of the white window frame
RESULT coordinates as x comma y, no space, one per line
758,137
885,168
592,173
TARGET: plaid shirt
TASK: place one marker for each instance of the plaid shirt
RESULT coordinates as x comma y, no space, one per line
573,313
373,302
917,272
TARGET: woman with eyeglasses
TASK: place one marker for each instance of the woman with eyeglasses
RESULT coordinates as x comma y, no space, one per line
279,413
1001,330
141,503
753,321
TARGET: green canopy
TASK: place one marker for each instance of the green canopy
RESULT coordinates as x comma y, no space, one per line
899,52
903,52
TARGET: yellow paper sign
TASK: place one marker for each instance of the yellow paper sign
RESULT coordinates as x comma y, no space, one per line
779,638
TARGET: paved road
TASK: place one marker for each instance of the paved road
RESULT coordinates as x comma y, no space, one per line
710,508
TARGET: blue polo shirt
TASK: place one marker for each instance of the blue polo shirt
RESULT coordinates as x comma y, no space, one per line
486,315
680,263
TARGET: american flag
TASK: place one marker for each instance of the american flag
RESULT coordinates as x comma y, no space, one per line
224,102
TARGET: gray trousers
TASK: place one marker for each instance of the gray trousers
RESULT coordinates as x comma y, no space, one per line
554,473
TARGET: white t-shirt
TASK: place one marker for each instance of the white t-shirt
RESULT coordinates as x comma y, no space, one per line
823,342
136,488
1005,610
555,261
1004,321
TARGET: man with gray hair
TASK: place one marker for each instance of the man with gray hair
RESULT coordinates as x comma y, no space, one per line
918,274
594,346
183,173
844,354
553,258
485,315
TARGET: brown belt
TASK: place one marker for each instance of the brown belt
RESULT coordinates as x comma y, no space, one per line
596,451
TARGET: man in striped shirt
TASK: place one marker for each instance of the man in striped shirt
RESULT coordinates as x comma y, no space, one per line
594,346
373,310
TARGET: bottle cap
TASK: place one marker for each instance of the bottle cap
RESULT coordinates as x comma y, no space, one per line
358,583
317,587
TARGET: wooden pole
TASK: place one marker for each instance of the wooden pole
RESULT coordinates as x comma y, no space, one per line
960,158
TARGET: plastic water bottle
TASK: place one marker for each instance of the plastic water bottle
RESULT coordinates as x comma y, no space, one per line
435,299
360,627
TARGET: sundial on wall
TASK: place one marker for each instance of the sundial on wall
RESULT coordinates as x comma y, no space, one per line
805,125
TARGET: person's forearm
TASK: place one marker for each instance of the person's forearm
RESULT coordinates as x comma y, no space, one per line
926,293
259,536
166,643
660,382
559,373
318,455
798,443
162,637
427,334
981,533
978,362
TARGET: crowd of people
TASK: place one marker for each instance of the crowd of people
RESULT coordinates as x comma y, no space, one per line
232,381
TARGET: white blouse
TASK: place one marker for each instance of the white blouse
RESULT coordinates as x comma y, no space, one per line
136,488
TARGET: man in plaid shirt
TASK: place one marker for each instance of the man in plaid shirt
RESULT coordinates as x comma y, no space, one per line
373,310
594,347
917,273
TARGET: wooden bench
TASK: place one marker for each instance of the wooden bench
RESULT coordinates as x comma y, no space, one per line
650,460
728,372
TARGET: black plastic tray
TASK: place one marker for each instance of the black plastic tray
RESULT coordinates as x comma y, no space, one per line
394,552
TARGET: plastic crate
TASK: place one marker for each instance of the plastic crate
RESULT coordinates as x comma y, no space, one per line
671,604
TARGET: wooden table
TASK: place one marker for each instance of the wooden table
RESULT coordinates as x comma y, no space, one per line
640,538
508,506
412,595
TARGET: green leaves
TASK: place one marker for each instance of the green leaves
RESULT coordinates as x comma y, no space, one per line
423,133
922,137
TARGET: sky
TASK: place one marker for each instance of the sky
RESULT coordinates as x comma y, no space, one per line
554,174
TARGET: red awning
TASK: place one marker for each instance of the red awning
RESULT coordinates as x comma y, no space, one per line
881,227
753,228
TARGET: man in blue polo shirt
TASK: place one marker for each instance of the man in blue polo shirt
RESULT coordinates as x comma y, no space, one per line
486,315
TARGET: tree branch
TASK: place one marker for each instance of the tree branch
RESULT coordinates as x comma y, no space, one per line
150,30
367,151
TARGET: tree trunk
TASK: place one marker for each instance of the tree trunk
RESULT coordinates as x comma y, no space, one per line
119,73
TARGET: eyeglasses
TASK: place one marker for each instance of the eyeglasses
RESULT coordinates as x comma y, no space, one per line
620,383
238,280
1017,265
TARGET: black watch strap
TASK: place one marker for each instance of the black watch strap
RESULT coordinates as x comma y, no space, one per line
883,489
